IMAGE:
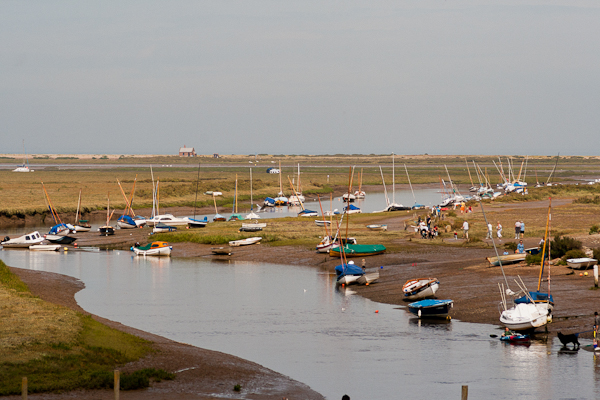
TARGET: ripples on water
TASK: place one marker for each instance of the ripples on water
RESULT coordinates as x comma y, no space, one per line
292,320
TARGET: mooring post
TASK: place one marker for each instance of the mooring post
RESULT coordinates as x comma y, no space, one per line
117,383
596,275
465,392
24,388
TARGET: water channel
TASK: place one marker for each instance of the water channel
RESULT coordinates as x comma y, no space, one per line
291,319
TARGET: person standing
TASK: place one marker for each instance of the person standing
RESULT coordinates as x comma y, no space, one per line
499,230
466,230
489,231
517,230
522,230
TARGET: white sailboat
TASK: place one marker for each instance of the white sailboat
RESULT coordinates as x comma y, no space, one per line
25,166
297,198
360,194
81,225
393,206
252,214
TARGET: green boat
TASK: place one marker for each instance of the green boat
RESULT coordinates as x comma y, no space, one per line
358,250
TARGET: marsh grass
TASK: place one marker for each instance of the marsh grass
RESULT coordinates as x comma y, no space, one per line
59,349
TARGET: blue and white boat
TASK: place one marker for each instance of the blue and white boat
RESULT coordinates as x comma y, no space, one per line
348,273
269,202
308,213
61,229
197,223
126,222
352,209
431,308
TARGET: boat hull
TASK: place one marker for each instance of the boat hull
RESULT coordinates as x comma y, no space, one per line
157,252
581,263
45,247
377,227
358,250
419,289
245,242
507,259
367,279
431,308
525,316
23,242
106,230
60,239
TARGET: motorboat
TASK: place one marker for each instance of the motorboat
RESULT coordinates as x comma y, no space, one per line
377,227
245,242
431,308
153,249
162,228
45,247
24,241
421,288
167,219
348,273
59,239
581,263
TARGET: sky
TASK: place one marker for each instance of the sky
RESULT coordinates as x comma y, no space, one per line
308,77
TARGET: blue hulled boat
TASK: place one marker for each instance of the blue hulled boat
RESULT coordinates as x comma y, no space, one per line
431,308
348,273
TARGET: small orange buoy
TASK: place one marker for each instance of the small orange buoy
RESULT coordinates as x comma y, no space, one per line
580,274
376,311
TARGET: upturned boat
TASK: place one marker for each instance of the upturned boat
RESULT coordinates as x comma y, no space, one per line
421,288
153,249
245,242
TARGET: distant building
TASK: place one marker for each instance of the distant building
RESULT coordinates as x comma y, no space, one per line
187,151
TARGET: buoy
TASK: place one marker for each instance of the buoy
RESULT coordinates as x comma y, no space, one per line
367,284
376,311
585,273
580,274
343,285
381,267
66,248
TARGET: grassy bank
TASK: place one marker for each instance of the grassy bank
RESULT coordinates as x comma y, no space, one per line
58,349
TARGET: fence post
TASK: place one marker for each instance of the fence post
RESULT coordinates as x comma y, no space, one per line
117,383
596,275
24,388
465,392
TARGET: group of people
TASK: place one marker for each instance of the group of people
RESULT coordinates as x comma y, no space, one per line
425,229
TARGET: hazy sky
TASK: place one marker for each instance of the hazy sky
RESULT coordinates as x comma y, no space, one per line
308,77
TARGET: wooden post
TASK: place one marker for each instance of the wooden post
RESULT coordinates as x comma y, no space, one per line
24,388
596,275
465,392
117,383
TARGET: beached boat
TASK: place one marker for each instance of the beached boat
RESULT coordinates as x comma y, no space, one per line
421,288
60,229
348,197
162,228
352,209
45,247
82,225
322,222
308,213
506,259
245,242
524,316
431,308
24,241
348,273
153,249
126,222
250,229
196,223
377,227
358,250
368,278
106,230
221,251
252,214
59,239
25,166
515,338
235,217
254,224
581,263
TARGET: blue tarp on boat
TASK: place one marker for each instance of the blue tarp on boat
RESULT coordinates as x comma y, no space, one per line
127,219
58,228
536,296
348,269
352,207
270,200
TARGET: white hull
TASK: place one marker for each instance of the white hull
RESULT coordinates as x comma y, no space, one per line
245,242
254,225
423,294
367,278
322,223
125,225
581,263
252,215
24,241
161,251
45,247
377,227
525,316
167,219
79,228
348,279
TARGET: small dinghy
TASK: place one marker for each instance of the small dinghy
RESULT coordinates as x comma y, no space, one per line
507,259
581,263
161,228
245,242
153,249
322,222
60,239
308,213
515,338
367,279
250,229
254,224
45,247
431,308
377,227
420,288
221,251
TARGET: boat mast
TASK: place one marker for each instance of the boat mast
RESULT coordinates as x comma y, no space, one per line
78,204
387,200
350,178
280,184
411,188
235,195
197,182
546,244
393,181
251,200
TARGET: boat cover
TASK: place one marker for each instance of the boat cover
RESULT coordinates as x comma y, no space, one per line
429,303
536,296
307,212
270,200
127,219
352,207
348,269
58,228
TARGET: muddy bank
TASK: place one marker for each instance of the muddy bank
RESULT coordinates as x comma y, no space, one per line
201,374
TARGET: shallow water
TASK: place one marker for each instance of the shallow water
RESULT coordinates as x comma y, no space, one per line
292,320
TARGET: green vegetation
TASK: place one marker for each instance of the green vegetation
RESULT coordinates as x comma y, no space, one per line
594,229
561,245
58,349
